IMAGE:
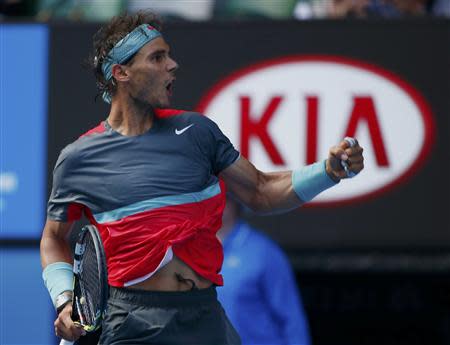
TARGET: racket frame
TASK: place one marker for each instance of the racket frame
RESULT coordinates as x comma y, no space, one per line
80,248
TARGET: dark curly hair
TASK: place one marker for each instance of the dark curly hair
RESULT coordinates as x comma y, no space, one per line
107,37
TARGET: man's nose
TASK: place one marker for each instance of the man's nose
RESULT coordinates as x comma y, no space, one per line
172,65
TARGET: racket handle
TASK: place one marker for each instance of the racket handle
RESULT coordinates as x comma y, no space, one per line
352,142
66,342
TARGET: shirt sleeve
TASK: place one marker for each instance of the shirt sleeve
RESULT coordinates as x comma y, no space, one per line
62,205
283,297
219,148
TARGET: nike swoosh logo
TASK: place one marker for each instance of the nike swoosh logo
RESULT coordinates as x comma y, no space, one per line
181,131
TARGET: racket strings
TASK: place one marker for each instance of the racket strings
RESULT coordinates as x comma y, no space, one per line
90,284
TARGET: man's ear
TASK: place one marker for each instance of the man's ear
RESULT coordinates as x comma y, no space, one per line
119,72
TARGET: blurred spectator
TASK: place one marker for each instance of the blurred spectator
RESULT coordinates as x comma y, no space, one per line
45,10
311,9
307,9
348,8
254,9
54,9
17,8
377,8
194,10
411,7
201,10
89,10
101,10
259,295
441,8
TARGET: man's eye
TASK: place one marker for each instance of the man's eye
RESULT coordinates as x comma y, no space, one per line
158,58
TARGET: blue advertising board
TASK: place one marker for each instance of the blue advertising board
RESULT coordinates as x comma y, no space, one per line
26,310
23,129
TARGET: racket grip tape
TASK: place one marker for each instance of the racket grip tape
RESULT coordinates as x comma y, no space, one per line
352,142
66,342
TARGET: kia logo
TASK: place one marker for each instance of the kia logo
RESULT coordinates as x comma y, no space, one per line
285,113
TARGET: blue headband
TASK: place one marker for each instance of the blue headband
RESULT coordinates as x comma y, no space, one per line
126,48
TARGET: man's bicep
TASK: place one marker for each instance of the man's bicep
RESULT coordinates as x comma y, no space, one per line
242,179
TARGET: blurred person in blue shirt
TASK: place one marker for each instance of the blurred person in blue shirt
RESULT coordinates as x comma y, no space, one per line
441,8
260,295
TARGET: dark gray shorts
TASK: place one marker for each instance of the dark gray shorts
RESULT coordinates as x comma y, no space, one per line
154,317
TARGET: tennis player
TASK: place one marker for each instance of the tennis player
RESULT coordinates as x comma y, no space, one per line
152,180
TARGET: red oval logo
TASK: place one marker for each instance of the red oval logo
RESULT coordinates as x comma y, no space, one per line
287,112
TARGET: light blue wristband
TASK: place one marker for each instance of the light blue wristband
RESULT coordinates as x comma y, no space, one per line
311,180
58,277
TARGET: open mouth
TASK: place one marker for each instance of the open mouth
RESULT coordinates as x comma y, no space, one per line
169,88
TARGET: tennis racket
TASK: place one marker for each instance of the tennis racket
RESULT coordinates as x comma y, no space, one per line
90,285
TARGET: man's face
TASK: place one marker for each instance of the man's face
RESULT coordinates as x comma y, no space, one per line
151,74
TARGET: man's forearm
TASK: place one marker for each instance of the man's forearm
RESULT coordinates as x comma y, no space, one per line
56,259
56,262
275,194
55,249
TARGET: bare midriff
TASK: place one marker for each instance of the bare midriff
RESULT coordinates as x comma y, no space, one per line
174,276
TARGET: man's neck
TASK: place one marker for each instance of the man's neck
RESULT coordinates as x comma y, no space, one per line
130,118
